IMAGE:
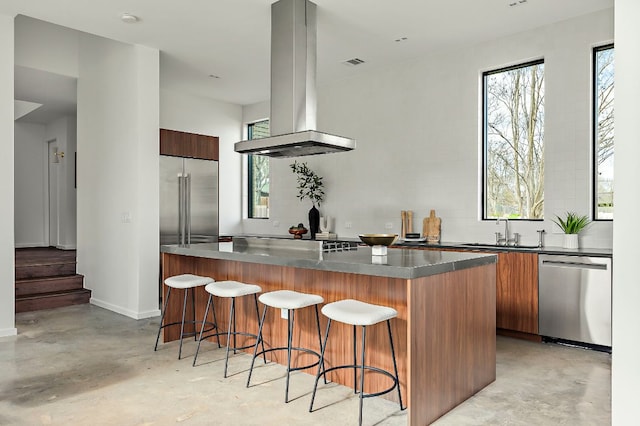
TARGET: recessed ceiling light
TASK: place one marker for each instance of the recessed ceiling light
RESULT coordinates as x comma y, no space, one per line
129,18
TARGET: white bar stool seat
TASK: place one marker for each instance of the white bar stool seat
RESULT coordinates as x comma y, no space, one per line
230,290
354,312
188,283
289,300
359,314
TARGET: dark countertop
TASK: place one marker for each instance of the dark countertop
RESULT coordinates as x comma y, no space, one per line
399,263
597,252
481,247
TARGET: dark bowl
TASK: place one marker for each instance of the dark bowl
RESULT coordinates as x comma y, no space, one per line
378,239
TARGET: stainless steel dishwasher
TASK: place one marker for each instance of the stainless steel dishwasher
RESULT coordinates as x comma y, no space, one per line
575,298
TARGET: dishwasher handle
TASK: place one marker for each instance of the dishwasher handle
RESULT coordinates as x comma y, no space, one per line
580,265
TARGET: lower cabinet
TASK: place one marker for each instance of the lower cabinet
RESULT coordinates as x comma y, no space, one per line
517,292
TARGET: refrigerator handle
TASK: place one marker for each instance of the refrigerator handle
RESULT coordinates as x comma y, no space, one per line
187,207
181,234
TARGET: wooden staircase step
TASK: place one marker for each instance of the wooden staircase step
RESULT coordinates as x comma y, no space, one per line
44,270
52,300
34,286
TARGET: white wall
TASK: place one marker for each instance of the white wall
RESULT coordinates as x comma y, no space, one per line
31,217
418,139
63,130
118,148
626,291
45,46
7,275
31,183
206,116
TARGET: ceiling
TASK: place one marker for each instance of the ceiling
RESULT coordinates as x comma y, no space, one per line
230,39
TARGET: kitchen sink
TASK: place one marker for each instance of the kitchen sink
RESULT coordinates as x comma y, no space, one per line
490,245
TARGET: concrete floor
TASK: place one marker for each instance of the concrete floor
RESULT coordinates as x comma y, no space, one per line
84,365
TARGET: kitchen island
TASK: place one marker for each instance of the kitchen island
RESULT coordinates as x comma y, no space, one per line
444,334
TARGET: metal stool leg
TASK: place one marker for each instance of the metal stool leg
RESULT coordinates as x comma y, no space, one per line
264,354
184,311
290,320
231,315
355,361
320,364
195,358
364,332
395,366
164,311
320,339
258,340
193,305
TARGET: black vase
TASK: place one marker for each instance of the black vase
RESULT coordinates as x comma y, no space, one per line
314,221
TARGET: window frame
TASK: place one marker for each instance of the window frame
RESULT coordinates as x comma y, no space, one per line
594,130
250,189
483,210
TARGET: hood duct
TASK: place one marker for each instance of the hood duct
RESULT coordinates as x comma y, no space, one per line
293,88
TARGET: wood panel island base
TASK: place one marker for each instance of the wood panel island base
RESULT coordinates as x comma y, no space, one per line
444,334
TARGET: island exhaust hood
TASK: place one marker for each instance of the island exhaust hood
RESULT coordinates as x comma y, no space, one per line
293,88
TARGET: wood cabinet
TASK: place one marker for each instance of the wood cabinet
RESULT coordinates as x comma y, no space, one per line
192,145
516,293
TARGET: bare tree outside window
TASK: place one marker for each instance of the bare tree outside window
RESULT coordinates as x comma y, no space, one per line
603,131
514,142
258,174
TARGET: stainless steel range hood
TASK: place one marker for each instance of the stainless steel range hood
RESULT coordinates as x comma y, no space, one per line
293,88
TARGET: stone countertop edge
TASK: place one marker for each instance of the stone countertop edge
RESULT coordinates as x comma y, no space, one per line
402,263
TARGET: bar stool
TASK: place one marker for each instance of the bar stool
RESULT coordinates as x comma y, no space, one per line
357,313
230,290
289,300
185,282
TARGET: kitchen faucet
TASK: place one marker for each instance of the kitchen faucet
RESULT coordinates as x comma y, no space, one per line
500,240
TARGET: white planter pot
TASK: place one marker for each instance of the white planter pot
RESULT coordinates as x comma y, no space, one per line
570,241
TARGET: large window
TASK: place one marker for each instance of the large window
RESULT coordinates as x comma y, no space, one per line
514,142
603,95
258,174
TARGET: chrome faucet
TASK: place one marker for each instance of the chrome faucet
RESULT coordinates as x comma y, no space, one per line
499,239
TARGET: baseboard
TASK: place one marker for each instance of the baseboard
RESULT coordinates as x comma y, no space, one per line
519,335
30,245
66,247
6,332
122,311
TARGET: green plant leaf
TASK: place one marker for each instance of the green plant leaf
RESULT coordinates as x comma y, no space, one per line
572,222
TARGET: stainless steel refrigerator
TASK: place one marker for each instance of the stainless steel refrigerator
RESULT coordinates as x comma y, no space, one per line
188,200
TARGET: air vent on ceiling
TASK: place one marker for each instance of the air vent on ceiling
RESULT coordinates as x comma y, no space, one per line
353,62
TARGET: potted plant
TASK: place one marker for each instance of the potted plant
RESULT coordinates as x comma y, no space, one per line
571,224
309,187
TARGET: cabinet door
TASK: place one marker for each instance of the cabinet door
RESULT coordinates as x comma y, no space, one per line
517,292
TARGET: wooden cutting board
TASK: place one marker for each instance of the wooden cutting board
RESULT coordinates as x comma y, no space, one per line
431,227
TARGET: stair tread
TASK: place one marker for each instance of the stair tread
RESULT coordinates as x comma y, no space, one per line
54,294
49,278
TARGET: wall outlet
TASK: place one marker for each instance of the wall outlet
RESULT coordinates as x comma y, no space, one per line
284,313
276,223
348,225
125,217
388,225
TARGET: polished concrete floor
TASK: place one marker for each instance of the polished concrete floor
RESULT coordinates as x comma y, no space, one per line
84,365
